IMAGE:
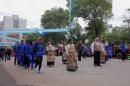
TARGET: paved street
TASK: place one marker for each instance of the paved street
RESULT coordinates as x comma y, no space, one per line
113,73
6,79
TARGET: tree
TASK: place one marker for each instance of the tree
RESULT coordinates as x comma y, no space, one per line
96,12
54,18
91,28
33,36
126,18
117,35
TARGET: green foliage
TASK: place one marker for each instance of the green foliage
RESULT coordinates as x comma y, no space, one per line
117,35
32,36
54,18
94,11
100,28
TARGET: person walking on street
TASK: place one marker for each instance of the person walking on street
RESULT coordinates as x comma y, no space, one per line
38,48
71,57
96,49
123,51
50,55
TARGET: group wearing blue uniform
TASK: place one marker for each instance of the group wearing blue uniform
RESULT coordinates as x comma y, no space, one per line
25,53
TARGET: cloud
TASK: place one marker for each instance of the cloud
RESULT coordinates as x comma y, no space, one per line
33,9
119,7
29,9
4,14
6,0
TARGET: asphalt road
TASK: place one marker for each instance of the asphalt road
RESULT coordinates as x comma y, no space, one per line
6,79
114,73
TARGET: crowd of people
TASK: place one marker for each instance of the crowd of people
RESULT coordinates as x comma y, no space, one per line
29,54
5,53
103,51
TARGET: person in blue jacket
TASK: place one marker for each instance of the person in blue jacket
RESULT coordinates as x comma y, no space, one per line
38,50
123,51
85,51
16,53
108,53
29,53
21,52
25,55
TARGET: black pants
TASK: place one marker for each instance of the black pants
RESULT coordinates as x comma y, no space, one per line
85,55
123,56
96,58
50,63
38,62
4,57
26,61
79,55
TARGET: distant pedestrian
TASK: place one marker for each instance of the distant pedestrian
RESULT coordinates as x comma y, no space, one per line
64,57
123,51
50,55
85,51
16,53
79,50
128,52
71,57
96,49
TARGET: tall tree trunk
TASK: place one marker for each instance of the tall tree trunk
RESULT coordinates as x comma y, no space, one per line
96,29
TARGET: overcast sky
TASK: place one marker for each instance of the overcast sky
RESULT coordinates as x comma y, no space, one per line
33,9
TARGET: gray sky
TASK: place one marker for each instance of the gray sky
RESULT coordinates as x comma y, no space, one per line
33,9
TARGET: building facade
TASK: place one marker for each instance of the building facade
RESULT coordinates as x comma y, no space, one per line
8,22
12,22
1,25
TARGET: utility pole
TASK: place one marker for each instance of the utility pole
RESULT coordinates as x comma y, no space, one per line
70,13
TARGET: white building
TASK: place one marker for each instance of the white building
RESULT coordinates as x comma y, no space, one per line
8,22
13,21
22,23
1,25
